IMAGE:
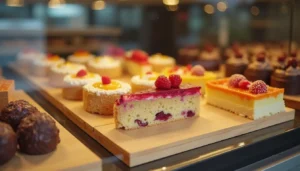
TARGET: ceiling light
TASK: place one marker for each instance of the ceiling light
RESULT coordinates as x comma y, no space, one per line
209,9
171,2
15,3
172,7
56,3
254,10
221,6
98,5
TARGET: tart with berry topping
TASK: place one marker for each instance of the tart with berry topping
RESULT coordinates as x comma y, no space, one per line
136,62
27,56
41,67
80,57
58,72
75,82
253,100
159,62
193,75
287,78
236,64
106,65
260,69
169,101
99,97
210,58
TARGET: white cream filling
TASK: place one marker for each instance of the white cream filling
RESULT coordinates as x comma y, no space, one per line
124,89
80,59
45,62
142,81
260,108
104,62
214,55
159,59
237,61
68,68
261,65
75,81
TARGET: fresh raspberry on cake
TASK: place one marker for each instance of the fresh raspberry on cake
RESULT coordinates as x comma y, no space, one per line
238,55
292,62
244,84
189,67
281,58
81,73
139,55
261,57
198,70
258,87
175,80
162,82
235,80
105,80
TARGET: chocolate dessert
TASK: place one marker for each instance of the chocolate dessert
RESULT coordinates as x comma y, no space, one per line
38,134
287,78
259,69
188,54
15,111
8,143
236,64
210,58
279,63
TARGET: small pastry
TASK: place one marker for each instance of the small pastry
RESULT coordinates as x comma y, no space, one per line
236,64
136,62
260,69
115,51
41,67
8,143
210,58
188,54
26,57
256,48
15,111
38,134
143,81
58,72
279,62
160,62
80,57
287,78
99,97
105,65
236,48
75,82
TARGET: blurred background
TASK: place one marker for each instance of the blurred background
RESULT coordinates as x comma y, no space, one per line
164,26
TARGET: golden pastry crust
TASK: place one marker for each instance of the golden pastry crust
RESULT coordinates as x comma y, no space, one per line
72,93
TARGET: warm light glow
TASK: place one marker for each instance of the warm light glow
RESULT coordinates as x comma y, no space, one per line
255,10
241,144
221,6
164,168
15,3
172,7
56,3
209,9
98,5
171,2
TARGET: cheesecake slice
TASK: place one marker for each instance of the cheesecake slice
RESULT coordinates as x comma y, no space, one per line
253,100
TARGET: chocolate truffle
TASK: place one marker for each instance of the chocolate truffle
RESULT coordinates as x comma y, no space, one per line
15,111
8,143
38,134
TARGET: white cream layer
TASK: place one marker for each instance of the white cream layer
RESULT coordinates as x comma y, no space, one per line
75,81
124,89
45,62
142,81
214,55
80,59
68,68
104,62
160,59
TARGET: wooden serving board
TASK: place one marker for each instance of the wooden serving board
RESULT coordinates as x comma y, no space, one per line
292,101
140,146
69,155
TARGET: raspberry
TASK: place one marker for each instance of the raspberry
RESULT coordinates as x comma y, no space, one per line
81,73
293,54
162,82
189,67
105,80
209,48
139,55
235,79
258,87
281,58
174,69
238,55
175,80
244,84
141,123
292,62
162,116
198,70
261,57
49,55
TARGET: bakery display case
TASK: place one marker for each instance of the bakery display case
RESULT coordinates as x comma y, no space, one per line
148,85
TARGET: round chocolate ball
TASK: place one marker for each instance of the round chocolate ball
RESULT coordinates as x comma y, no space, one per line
8,143
38,134
15,111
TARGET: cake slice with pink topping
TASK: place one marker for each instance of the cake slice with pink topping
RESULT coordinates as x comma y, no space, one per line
169,102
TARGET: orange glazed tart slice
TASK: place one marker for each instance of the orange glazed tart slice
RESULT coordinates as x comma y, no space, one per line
168,102
253,100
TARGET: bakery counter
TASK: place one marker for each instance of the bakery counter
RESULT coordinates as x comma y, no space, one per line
229,154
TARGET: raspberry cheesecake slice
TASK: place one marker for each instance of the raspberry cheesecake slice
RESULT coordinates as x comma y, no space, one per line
169,102
253,100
